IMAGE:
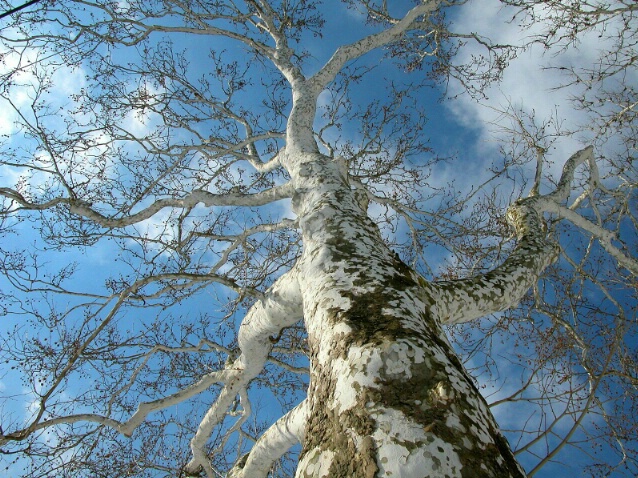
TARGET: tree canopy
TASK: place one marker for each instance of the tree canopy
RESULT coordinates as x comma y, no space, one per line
150,214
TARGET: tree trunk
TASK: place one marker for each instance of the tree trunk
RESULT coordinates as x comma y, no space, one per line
387,396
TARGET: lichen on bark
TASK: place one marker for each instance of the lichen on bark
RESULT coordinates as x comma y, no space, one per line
388,396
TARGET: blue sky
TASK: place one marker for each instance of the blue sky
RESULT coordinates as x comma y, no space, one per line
463,128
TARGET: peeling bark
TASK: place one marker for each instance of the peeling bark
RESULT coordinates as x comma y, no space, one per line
387,396
468,299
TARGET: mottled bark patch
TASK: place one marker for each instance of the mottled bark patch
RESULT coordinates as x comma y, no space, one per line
451,415
345,438
388,396
431,390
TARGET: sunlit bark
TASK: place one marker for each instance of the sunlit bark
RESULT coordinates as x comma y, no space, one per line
388,396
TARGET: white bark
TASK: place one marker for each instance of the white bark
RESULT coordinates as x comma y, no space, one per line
280,308
197,196
192,199
272,444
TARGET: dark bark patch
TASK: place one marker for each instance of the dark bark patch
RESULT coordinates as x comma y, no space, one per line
326,430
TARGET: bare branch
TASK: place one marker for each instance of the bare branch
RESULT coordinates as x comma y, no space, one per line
467,299
272,444
280,308
192,199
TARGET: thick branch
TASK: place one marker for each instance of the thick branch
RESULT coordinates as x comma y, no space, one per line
85,210
300,134
280,308
467,299
272,444
347,53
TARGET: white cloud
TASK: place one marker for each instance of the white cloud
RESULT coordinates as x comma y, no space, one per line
527,82
12,62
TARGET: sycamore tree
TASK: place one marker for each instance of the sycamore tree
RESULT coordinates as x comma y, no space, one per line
216,212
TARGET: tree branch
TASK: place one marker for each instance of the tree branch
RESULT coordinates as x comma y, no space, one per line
272,444
467,299
280,308
349,52
552,203
463,300
197,196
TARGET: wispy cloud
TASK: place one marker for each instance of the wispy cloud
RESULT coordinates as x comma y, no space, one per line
528,83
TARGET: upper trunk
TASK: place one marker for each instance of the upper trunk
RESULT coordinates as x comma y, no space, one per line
387,395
